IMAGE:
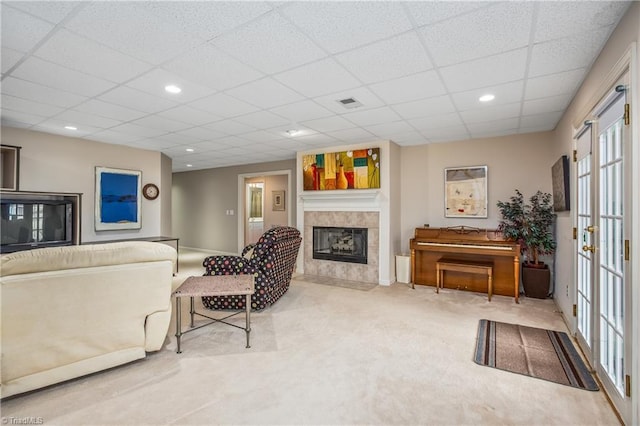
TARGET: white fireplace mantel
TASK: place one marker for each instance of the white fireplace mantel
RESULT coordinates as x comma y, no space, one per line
341,200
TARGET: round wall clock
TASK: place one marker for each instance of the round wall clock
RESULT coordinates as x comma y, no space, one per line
150,191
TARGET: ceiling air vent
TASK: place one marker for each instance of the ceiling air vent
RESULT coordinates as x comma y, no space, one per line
349,103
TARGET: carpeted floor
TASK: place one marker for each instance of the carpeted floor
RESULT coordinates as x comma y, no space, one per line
326,354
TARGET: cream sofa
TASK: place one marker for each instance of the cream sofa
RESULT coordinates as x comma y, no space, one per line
71,311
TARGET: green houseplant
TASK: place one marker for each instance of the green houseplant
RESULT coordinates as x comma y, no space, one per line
530,225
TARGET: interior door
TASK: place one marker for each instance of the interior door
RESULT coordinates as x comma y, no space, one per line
603,270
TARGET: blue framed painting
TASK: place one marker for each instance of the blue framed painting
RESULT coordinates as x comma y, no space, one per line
118,195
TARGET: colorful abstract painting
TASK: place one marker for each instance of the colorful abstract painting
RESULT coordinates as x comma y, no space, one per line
357,169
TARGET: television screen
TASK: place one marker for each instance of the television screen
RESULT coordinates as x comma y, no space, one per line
32,224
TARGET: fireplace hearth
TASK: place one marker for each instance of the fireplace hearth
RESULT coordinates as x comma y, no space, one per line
340,244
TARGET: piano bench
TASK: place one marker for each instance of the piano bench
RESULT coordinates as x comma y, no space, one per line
468,266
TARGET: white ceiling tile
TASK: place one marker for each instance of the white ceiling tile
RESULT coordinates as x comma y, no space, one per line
405,89
230,127
440,121
282,131
87,56
390,130
186,114
543,105
135,99
39,93
361,94
585,15
7,122
156,80
317,138
10,57
429,12
387,59
329,124
57,127
109,110
27,106
207,19
270,44
152,144
577,51
301,111
130,28
52,75
234,141
161,123
265,93
484,72
223,105
491,113
260,136
319,78
262,120
504,94
202,133
409,138
546,121
51,11
372,116
561,83
495,127
141,131
354,134
114,137
424,107
82,119
338,26
21,31
488,31
446,134
182,140
212,67
26,119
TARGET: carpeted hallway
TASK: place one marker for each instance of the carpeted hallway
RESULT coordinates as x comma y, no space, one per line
328,354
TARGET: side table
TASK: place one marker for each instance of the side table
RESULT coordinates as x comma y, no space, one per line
213,285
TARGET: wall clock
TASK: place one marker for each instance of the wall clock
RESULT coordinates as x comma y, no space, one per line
150,191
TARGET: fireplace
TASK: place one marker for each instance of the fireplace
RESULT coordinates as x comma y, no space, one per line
340,244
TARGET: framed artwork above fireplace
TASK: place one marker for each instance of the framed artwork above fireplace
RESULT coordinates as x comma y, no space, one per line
356,169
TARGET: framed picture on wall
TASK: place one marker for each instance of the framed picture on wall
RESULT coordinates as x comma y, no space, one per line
278,200
117,203
465,192
560,181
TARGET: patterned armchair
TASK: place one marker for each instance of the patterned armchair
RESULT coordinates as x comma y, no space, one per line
271,260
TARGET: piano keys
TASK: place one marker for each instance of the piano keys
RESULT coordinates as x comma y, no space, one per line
471,244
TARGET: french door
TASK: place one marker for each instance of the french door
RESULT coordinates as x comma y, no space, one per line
602,266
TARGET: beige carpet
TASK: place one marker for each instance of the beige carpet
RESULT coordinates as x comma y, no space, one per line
327,354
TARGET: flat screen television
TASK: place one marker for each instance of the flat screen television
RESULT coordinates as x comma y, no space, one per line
29,224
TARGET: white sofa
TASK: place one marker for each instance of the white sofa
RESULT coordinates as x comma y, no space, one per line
71,311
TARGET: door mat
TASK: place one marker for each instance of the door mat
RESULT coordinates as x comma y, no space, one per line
536,352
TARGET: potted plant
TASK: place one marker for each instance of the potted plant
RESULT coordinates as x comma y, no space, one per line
530,225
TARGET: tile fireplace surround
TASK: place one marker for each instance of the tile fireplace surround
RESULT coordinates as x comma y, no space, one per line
347,271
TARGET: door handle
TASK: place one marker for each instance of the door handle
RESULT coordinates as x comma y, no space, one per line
592,249
590,229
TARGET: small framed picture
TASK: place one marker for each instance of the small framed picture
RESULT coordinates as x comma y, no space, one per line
278,200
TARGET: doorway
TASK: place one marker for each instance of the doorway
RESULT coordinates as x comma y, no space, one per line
264,201
603,223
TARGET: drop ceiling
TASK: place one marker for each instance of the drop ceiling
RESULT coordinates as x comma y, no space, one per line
252,72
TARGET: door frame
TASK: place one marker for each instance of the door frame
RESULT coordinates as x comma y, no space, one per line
241,200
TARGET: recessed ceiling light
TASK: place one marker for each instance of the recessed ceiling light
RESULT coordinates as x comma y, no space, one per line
172,88
189,149
293,132
189,165
486,98
70,128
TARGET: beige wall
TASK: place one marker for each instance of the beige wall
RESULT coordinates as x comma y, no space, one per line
53,163
514,162
202,197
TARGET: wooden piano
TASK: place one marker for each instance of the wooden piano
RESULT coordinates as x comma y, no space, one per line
466,244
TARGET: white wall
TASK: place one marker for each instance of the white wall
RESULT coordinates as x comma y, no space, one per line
53,163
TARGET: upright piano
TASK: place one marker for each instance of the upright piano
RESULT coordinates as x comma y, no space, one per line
467,244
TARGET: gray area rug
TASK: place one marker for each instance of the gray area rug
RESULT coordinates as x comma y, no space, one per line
535,352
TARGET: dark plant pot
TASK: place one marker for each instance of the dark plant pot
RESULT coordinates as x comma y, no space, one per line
535,280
